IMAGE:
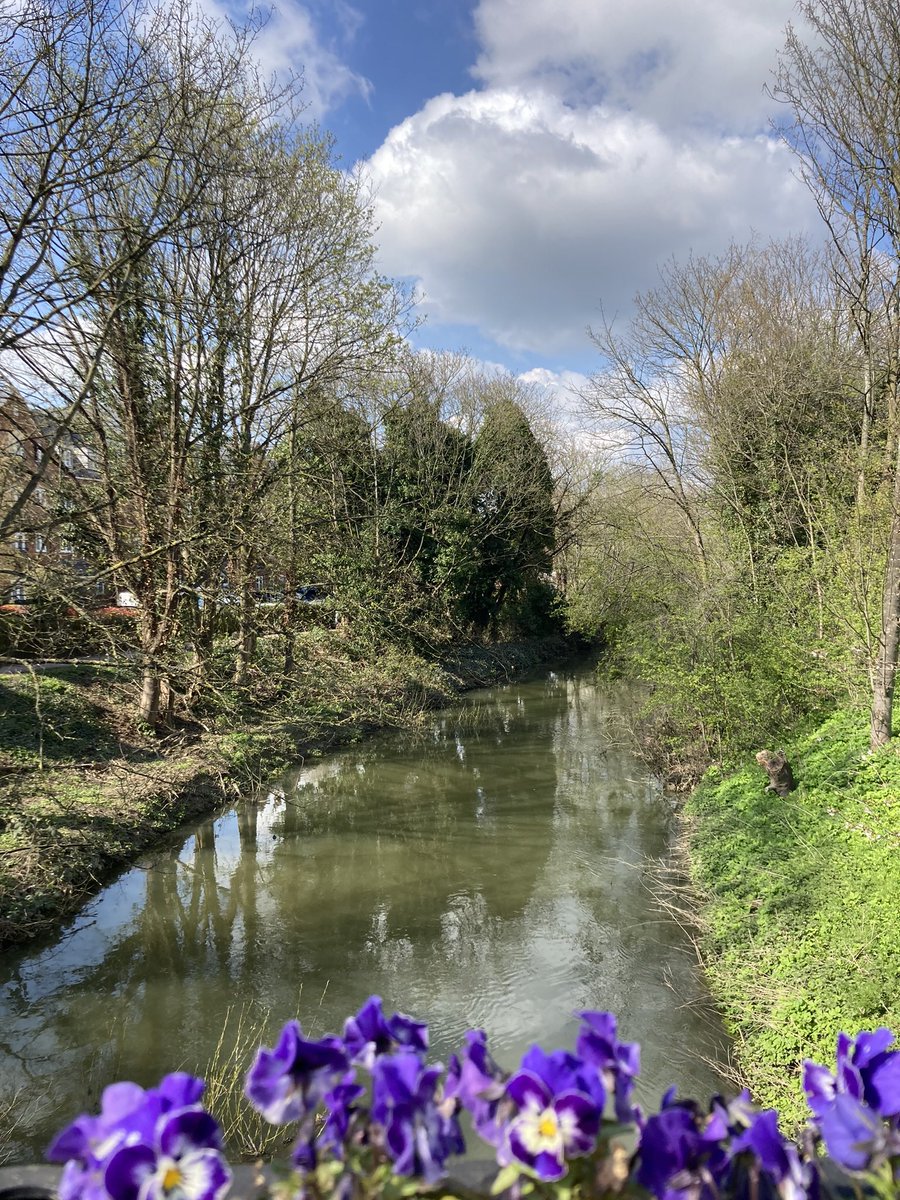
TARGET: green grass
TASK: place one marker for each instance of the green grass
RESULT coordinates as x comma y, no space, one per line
58,718
802,902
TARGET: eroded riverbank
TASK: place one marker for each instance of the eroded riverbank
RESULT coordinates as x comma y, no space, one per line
84,790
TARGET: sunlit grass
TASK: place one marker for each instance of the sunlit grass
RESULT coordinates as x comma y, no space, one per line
248,1136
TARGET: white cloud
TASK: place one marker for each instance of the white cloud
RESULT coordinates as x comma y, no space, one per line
564,383
522,213
674,61
290,40
564,389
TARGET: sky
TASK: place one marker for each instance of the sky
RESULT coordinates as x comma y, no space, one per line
534,162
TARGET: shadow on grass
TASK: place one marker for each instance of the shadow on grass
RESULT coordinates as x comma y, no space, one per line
56,720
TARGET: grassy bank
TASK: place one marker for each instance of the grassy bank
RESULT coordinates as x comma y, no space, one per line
84,789
801,902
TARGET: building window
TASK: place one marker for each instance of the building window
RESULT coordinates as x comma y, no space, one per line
20,541
66,547
68,459
17,593
40,496
38,454
40,543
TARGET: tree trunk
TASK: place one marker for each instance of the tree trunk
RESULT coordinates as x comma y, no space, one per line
886,665
289,619
148,710
246,638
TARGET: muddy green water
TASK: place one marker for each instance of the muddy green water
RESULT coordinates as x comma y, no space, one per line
496,871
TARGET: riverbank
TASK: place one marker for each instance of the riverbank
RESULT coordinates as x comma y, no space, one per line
800,902
84,789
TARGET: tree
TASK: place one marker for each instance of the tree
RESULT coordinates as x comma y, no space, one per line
90,94
516,526
843,89
731,413
136,355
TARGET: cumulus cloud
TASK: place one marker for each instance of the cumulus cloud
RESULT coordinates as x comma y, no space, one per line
563,383
674,61
603,139
523,213
564,390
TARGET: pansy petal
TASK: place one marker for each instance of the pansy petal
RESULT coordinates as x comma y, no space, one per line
850,1131
885,1081
407,1031
188,1129
127,1171
526,1088
75,1140
819,1085
366,1035
180,1090
202,1176
579,1121
400,1140
119,1100
764,1140
869,1045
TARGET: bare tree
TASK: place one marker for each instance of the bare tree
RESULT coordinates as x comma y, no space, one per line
133,356
842,87
91,94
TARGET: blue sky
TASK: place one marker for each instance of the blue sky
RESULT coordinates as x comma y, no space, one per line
534,161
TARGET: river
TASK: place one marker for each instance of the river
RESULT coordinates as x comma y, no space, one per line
495,870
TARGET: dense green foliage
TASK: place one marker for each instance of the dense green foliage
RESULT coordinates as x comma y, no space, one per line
739,536
802,901
735,560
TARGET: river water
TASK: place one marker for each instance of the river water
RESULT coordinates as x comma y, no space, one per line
494,871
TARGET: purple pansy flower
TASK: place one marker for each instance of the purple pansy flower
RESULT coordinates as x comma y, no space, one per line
419,1134
681,1154
560,1103
287,1083
370,1033
182,1161
778,1158
128,1116
87,1143
476,1082
857,1108
619,1063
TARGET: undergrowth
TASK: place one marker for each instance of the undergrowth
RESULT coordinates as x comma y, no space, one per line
802,902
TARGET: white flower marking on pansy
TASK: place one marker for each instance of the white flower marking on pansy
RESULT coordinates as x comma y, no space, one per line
188,1179
544,1129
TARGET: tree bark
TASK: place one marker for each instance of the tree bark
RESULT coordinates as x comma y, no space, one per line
886,663
148,710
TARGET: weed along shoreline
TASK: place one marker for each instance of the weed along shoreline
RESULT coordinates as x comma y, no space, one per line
799,901
84,790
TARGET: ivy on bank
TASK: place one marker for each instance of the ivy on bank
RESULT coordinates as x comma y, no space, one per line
801,901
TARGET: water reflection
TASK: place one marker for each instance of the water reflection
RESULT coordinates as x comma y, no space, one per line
490,872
